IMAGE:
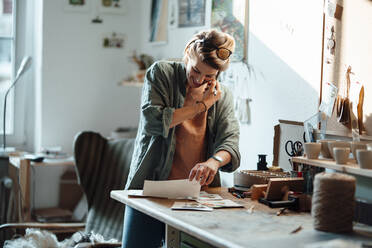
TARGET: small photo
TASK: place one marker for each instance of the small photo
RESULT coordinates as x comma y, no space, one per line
116,7
113,40
77,5
192,205
206,196
77,2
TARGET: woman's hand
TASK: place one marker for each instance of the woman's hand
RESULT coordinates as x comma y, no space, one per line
204,172
212,93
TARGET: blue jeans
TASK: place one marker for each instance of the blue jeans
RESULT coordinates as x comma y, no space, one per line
141,230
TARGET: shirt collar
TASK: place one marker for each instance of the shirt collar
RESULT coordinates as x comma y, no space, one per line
183,79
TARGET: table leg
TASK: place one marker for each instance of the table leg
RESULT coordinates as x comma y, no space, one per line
20,174
24,175
172,237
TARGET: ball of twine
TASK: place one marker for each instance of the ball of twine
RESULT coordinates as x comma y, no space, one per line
333,202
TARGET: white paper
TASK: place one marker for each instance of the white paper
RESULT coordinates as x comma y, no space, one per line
237,78
328,100
204,196
172,189
135,192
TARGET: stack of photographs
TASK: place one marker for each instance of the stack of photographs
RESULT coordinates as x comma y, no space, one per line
206,202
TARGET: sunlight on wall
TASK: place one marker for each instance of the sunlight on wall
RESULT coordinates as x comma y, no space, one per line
293,31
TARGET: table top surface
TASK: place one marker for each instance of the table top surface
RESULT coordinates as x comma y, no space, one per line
16,161
238,227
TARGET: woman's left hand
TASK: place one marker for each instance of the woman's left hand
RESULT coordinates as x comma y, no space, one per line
204,172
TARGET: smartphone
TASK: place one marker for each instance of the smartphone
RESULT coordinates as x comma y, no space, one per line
215,89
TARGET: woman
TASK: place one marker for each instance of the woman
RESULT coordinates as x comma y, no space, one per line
187,127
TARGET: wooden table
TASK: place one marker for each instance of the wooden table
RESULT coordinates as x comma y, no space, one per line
20,173
236,227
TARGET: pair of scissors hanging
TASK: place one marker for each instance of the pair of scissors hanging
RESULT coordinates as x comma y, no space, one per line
293,149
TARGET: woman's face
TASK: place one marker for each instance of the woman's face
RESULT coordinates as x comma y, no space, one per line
199,73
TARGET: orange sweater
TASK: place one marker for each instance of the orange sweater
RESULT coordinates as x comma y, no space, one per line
191,146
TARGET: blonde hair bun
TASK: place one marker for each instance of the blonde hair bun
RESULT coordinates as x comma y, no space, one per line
205,45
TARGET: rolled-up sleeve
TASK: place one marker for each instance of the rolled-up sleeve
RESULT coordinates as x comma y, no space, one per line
157,112
227,136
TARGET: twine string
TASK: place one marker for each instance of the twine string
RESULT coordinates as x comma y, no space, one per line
333,202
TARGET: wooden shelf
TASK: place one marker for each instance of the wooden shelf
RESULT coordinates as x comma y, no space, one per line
131,83
344,134
351,167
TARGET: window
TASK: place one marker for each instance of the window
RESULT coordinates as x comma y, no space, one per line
7,43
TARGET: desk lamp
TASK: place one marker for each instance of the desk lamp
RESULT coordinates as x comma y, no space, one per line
25,64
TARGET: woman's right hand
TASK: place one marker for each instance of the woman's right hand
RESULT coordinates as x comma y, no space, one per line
212,93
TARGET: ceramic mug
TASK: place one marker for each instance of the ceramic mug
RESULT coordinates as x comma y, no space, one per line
324,149
364,158
355,145
312,150
337,143
341,154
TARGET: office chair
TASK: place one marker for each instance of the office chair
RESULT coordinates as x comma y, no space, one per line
102,165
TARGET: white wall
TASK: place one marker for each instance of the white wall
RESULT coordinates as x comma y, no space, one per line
284,51
80,78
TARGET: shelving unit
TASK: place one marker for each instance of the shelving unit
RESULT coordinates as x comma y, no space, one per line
351,167
345,134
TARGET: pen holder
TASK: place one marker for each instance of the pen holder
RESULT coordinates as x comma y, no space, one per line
262,164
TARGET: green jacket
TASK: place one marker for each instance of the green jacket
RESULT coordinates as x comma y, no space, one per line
163,91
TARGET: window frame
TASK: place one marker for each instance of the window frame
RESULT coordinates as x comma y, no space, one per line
17,102
10,100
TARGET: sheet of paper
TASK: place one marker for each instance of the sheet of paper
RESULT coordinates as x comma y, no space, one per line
135,193
328,100
190,206
172,189
225,203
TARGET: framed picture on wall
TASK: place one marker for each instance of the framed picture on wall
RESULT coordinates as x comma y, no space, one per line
159,21
116,7
172,14
231,16
191,13
77,5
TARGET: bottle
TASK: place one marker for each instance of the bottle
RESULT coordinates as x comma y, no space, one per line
261,165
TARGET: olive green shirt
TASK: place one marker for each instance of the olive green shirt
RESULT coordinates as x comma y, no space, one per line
164,90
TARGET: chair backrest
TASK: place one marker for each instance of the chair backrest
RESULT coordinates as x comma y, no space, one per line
102,166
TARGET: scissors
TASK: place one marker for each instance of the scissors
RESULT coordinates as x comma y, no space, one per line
294,148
